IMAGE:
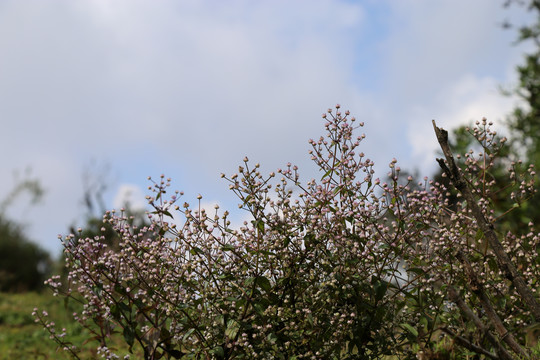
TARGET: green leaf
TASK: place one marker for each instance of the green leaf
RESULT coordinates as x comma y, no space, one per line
327,173
259,308
417,271
260,225
264,283
129,335
196,251
227,276
115,312
309,240
188,334
232,329
492,264
479,235
120,289
249,281
267,253
424,322
228,247
218,352
287,241
410,329
272,337
310,318
97,289
380,289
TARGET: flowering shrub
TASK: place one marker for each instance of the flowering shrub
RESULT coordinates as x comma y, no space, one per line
345,267
477,286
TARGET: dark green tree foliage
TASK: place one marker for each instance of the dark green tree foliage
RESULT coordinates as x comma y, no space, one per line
524,122
96,182
23,265
524,133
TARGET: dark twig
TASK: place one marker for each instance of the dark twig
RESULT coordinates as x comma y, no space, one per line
478,289
467,344
468,313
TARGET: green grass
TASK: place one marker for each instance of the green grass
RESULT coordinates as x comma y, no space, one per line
22,338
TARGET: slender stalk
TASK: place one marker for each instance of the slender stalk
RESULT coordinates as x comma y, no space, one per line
467,344
468,313
478,289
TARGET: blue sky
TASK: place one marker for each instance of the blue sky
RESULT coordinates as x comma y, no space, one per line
188,88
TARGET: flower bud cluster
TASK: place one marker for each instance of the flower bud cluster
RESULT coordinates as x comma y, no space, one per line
321,269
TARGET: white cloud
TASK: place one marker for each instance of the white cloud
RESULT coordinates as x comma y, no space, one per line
445,60
462,102
188,88
130,196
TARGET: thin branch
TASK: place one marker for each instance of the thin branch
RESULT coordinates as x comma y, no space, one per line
478,289
468,313
467,344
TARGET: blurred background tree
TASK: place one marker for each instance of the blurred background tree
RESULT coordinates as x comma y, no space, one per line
23,264
96,182
523,127
524,122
